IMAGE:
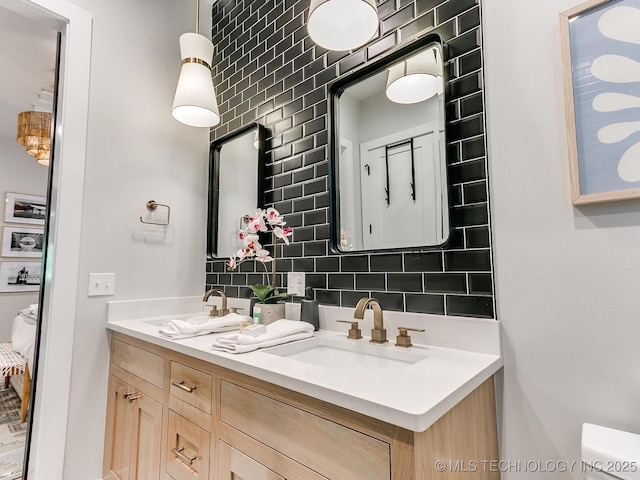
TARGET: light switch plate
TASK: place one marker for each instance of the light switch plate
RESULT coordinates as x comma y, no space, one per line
295,283
102,284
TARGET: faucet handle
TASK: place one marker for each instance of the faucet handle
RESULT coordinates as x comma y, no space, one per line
403,339
354,332
214,311
235,309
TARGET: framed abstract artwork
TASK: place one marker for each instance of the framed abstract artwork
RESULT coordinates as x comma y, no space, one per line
601,53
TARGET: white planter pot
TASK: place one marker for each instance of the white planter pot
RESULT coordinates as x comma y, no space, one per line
271,312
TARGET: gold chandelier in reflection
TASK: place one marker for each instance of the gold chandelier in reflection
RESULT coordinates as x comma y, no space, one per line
34,133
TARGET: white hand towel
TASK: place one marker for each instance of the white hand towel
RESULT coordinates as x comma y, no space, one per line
280,331
177,329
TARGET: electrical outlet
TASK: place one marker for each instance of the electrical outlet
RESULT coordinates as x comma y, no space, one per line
102,284
295,283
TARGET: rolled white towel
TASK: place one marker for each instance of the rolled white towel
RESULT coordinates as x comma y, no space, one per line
280,331
177,329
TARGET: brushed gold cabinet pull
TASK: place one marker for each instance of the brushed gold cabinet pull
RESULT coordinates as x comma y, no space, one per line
182,457
132,397
127,395
182,386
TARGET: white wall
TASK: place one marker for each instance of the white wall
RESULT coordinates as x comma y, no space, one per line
566,278
136,152
20,173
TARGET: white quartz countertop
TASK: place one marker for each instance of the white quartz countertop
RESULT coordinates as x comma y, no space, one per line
413,397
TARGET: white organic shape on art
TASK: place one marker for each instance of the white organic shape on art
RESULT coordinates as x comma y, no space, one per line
621,23
613,102
616,132
616,69
629,166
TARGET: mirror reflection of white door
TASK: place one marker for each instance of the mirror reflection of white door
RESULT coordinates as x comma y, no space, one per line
350,204
402,221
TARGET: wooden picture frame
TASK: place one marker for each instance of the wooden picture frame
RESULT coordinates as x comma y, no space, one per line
602,99
23,208
20,242
20,276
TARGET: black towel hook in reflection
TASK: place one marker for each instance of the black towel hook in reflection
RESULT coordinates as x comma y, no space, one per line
151,206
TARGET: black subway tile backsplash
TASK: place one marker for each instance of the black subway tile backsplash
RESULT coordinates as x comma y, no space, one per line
390,301
480,284
404,282
328,264
355,263
452,8
473,148
470,306
370,281
389,262
468,260
467,172
469,20
425,303
266,69
399,18
350,299
475,192
477,237
328,297
341,281
445,282
469,215
419,25
423,262
381,45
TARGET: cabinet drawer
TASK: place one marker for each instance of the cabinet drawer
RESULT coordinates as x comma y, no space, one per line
326,447
191,386
188,449
143,364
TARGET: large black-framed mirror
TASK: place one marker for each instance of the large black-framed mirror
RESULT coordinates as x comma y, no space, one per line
388,164
236,175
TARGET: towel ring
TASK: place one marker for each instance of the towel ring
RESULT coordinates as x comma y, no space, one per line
152,205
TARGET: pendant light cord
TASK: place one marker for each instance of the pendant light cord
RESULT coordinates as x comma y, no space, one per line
197,16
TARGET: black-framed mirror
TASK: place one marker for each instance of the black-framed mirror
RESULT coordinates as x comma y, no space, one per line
236,175
388,153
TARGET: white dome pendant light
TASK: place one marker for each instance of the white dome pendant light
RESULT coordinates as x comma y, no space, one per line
416,79
342,24
195,101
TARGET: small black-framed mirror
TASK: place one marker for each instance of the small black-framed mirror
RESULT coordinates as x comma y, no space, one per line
236,177
388,168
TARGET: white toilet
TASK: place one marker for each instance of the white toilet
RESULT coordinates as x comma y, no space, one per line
609,454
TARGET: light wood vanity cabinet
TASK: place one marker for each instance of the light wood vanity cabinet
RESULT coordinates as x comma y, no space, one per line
221,425
134,415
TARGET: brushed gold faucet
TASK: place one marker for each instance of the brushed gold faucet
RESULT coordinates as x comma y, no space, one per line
378,332
214,311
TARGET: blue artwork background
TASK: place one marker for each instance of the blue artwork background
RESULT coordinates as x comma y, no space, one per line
598,162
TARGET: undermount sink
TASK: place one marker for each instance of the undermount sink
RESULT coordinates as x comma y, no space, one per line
352,355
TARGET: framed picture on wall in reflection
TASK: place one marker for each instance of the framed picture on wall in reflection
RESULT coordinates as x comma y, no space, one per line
20,276
601,53
23,208
22,242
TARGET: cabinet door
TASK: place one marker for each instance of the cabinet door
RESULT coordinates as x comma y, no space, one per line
119,421
135,426
146,435
235,465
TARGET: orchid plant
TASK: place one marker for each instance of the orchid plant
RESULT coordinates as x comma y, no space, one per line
262,221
